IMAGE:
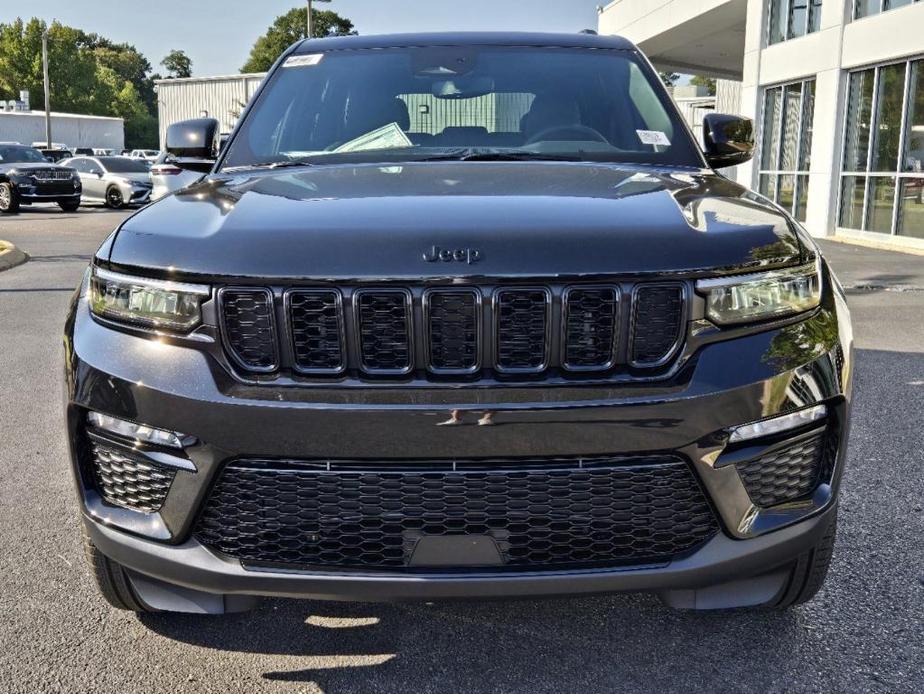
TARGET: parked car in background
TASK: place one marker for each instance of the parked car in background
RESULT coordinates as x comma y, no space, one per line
27,177
102,152
56,155
83,151
113,181
167,177
147,154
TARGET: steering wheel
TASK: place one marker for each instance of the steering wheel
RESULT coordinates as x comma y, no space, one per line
575,129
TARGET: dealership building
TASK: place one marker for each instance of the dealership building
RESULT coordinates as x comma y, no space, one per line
836,89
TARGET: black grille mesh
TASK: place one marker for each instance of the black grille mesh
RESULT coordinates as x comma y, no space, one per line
590,328
786,474
453,330
656,322
618,513
316,324
522,329
249,325
127,480
384,331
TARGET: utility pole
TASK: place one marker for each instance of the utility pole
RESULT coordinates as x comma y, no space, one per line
309,19
47,88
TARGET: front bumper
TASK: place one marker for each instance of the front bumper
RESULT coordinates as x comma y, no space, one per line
729,383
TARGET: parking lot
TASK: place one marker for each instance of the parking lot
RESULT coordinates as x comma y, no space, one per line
864,632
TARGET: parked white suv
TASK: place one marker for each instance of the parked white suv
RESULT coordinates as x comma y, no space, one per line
146,154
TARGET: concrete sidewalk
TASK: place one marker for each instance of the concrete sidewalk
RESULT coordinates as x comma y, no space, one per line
10,256
865,268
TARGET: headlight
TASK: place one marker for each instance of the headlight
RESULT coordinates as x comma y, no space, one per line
150,303
758,297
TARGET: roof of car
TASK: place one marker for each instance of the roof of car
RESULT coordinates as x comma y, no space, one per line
494,38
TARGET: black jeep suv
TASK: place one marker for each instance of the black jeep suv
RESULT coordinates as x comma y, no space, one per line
27,176
454,316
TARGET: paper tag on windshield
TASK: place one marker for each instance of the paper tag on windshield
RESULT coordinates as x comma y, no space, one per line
303,60
653,137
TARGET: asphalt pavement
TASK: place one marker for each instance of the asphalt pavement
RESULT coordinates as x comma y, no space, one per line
864,632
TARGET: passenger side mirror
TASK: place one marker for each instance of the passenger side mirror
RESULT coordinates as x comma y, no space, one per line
728,140
193,144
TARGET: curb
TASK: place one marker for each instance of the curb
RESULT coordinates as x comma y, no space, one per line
10,256
875,245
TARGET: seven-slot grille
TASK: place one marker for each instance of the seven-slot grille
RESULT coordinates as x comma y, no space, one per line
453,330
53,175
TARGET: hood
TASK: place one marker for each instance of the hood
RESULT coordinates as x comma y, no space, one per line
26,167
141,177
517,219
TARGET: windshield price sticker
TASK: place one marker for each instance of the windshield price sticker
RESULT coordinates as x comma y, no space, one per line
303,60
653,137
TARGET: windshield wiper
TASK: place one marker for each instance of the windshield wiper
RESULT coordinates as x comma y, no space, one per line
270,165
471,154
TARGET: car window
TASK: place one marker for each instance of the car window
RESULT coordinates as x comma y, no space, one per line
123,165
19,154
414,103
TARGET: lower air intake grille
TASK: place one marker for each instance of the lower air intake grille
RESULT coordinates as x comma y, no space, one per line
614,512
316,325
249,325
129,481
657,321
452,330
522,317
384,322
590,328
786,474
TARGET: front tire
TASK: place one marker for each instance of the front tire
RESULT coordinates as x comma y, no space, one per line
111,579
70,205
9,200
810,571
114,198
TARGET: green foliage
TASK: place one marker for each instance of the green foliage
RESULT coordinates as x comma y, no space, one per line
178,64
701,81
669,78
292,27
87,73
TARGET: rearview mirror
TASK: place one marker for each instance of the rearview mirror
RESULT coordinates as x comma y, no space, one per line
728,140
193,144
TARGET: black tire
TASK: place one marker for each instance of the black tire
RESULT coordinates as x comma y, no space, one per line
70,205
111,580
9,200
809,572
114,198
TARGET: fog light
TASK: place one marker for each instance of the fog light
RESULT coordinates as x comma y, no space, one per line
768,427
138,432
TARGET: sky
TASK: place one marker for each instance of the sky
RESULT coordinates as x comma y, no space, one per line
217,34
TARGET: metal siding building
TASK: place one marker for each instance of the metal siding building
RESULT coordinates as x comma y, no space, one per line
74,130
217,97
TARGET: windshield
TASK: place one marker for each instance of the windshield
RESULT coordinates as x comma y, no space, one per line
466,102
124,165
21,154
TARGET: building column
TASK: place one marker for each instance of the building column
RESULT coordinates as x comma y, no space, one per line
750,81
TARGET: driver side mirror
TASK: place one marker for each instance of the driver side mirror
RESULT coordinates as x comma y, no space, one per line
728,140
193,144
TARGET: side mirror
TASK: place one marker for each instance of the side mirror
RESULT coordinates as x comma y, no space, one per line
193,144
728,140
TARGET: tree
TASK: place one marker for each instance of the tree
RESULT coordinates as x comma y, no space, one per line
701,81
88,74
291,27
178,64
669,78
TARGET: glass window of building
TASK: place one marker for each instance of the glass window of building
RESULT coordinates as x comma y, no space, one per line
882,180
790,19
786,145
867,8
